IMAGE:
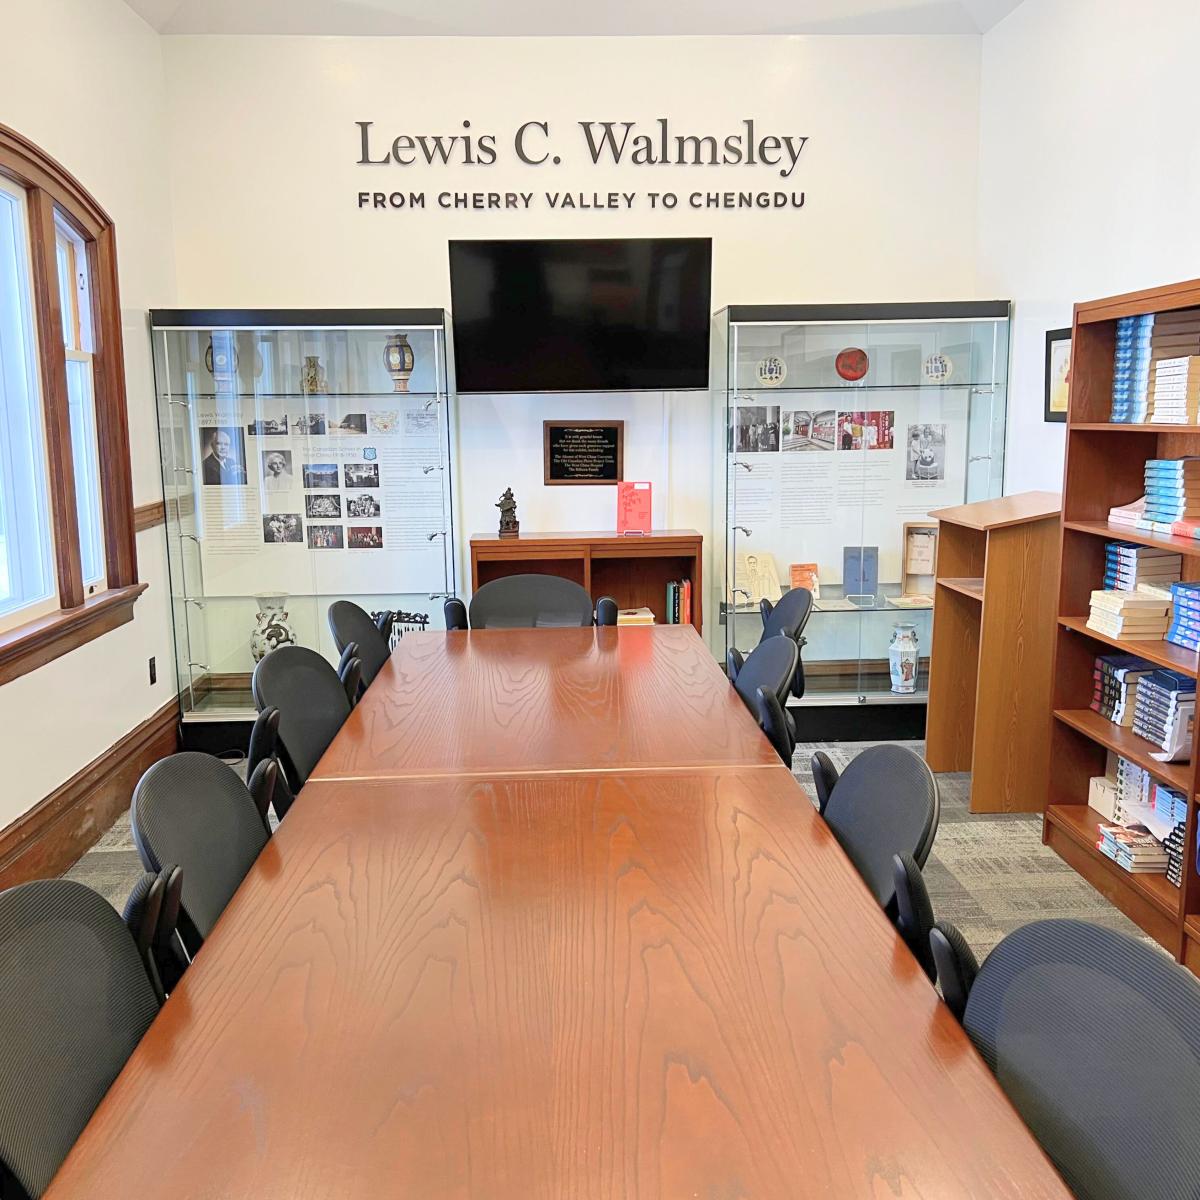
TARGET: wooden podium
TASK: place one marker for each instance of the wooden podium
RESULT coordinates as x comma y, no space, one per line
995,597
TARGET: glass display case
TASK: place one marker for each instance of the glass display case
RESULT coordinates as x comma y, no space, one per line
305,458
840,427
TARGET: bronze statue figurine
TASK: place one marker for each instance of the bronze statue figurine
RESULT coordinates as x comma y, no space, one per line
510,527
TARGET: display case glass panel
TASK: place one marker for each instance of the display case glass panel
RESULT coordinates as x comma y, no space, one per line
842,427
305,458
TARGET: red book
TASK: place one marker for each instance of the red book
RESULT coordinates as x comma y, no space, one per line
633,507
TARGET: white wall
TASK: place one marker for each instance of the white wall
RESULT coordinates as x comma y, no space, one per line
264,178
83,79
1089,178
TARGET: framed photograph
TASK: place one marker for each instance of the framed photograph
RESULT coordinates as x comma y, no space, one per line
1058,373
583,452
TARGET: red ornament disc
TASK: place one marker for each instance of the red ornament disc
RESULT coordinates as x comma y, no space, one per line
852,364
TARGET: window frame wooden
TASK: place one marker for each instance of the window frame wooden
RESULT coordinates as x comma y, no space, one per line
51,189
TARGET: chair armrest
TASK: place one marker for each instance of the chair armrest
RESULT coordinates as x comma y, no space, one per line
773,721
264,740
351,676
456,613
766,608
262,786
351,651
606,611
825,777
956,966
734,661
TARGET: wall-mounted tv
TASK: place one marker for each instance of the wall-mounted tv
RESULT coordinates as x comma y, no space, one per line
603,315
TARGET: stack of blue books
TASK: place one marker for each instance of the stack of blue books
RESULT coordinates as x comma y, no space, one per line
1172,491
1164,712
1127,565
1185,615
1131,369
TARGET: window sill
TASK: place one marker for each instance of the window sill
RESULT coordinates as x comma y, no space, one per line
32,645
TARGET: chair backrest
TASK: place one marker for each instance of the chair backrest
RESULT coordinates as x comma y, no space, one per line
1095,1037
956,965
311,699
789,616
914,910
75,1000
885,802
770,665
193,811
530,601
350,624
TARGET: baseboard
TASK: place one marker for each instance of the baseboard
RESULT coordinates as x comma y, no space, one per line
53,834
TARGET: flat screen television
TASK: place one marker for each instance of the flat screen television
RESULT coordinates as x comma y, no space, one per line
604,315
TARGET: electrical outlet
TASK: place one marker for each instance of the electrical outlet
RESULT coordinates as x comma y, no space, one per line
153,672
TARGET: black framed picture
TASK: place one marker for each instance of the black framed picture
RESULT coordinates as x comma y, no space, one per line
1058,373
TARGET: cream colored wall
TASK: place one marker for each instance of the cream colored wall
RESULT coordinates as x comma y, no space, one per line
83,79
264,180
1089,178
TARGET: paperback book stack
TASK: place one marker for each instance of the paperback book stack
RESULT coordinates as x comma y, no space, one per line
1135,850
1173,845
1164,709
1135,616
1132,514
1185,616
1131,369
1114,686
1175,335
1173,495
1175,392
1170,805
1127,566
1132,785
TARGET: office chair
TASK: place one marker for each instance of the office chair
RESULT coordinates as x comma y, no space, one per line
1095,1038
956,966
192,810
530,602
352,626
884,803
761,680
789,617
914,910
313,703
75,999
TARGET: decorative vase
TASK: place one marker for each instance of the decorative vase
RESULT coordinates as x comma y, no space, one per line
399,359
271,629
902,658
312,376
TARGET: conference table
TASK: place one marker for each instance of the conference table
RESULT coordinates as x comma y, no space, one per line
550,921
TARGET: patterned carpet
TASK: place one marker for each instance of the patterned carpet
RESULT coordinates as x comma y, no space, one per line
988,874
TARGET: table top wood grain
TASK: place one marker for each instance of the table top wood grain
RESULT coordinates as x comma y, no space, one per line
583,986
496,701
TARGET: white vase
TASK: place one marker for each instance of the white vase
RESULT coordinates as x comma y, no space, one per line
903,653
271,629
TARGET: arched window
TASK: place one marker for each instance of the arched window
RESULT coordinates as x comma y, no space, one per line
68,563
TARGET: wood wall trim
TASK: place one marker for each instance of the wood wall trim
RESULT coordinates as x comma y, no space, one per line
53,834
146,516
38,642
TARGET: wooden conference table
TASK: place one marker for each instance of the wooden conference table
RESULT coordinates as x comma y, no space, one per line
633,964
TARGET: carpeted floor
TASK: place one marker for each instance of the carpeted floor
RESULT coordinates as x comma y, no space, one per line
988,874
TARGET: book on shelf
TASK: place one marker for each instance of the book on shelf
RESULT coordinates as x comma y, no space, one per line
679,602
1115,678
635,616
1138,615
1127,514
1128,566
807,575
1135,850
1131,368
1184,629
1164,711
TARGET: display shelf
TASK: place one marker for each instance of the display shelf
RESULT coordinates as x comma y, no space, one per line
1163,654
1123,533
1082,825
972,587
1126,743
391,394
1120,427
853,389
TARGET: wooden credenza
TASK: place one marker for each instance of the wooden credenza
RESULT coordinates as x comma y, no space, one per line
634,571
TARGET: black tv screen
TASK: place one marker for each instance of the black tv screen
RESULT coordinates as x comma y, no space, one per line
621,314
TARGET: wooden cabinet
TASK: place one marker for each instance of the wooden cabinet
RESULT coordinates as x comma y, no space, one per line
993,640
634,571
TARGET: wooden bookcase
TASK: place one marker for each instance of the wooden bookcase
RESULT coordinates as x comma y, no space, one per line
634,571
1105,467
993,629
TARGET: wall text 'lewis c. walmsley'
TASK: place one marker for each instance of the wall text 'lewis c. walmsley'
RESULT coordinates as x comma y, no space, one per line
616,143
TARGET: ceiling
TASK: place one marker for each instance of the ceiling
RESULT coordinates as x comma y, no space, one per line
550,18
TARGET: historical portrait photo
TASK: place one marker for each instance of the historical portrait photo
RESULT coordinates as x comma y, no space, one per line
323,507
925,457
281,528
320,475
277,470
362,506
325,537
309,424
268,427
222,454
756,430
360,475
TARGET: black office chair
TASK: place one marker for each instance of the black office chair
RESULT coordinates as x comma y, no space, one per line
884,803
763,680
1095,1038
351,626
528,602
956,965
788,618
193,810
75,1000
914,910
313,704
